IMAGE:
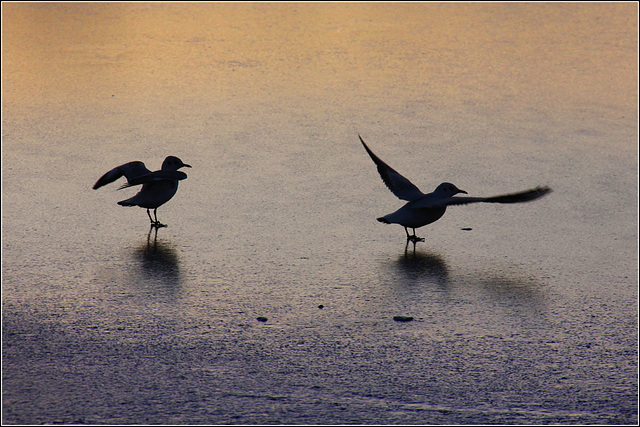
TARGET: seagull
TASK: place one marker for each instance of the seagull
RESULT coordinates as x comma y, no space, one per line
423,209
157,187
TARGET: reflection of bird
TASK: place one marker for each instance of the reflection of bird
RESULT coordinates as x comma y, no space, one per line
418,265
159,262
157,187
423,209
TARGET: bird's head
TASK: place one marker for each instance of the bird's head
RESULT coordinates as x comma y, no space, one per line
172,163
448,189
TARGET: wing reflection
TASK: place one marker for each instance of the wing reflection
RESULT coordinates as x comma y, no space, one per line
493,281
522,291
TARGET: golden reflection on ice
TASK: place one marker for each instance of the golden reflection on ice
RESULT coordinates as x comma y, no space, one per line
454,53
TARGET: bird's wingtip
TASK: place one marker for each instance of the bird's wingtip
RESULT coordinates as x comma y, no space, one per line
366,147
545,189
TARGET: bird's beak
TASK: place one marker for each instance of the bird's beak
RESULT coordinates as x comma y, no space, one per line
462,191
184,165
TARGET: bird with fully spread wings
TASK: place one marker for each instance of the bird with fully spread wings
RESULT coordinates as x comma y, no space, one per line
422,209
157,187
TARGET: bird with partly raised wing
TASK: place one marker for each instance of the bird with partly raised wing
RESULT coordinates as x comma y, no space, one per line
157,187
423,209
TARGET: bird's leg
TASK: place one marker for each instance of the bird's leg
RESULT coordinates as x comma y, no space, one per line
414,238
407,231
406,247
158,223
150,219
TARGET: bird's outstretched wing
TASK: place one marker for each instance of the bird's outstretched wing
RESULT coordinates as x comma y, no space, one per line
398,184
131,171
156,176
520,197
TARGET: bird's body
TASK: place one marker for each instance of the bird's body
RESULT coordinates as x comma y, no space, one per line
153,195
413,218
423,209
157,187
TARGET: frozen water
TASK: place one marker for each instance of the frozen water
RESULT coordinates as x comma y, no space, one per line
530,317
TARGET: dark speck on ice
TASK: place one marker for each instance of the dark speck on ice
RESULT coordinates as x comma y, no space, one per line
402,318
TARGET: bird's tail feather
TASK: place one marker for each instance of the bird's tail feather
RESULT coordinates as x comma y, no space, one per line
126,203
383,220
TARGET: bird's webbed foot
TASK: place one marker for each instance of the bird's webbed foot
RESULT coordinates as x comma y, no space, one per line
415,239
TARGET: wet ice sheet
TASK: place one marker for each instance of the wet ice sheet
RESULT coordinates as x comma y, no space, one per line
529,317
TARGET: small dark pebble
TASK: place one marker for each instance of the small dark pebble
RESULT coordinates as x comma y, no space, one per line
467,229
321,306
262,319
402,318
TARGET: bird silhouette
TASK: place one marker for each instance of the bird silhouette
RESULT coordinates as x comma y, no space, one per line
157,187
423,209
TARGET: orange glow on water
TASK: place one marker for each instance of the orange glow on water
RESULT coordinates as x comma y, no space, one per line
149,53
